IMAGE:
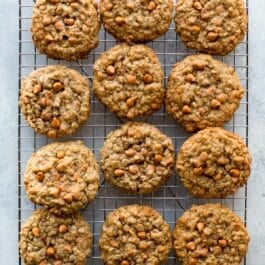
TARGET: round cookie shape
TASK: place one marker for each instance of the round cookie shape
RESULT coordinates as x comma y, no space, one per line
211,26
137,158
62,177
55,100
210,234
135,234
65,29
136,21
49,239
202,92
128,80
213,163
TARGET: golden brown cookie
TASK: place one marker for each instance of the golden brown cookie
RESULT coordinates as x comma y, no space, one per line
65,29
62,177
211,26
137,158
55,100
47,239
202,92
213,163
136,20
135,234
210,234
129,81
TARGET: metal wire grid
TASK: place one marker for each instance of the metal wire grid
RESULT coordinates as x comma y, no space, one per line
170,200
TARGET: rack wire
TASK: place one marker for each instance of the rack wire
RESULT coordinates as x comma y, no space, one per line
170,200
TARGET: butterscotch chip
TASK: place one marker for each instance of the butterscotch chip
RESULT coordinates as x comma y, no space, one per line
227,244
119,20
110,70
128,80
220,174
201,92
63,30
136,20
36,231
214,26
150,166
62,104
63,228
57,86
58,189
52,247
141,234
50,251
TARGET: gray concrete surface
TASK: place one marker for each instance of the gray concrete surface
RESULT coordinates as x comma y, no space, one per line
8,132
256,186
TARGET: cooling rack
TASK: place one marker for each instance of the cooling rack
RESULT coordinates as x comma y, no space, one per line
170,200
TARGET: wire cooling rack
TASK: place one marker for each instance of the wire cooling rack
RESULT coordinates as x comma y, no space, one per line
171,200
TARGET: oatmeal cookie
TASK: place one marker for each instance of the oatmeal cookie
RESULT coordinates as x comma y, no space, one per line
65,29
136,20
202,92
135,234
46,239
210,234
129,81
62,177
213,163
137,158
211,26
55,100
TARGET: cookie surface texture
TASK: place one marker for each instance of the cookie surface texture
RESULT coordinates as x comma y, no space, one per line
46,239
202,92
137,158
128,80
210,234
55,100
211,26
136,21
135,234
65,29
213,163
62,177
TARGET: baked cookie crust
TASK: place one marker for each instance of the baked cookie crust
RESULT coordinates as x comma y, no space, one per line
62,177
137,158
202,92
211,26
213,163
210,234
65,29
135,234
128,80
55,100
136,21
46,239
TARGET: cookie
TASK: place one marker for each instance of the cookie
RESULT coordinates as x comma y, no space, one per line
135,234
62,177
47,239
65,29
128,80
210,234
202,92
55,100
137,158
136,20
213,163
211,26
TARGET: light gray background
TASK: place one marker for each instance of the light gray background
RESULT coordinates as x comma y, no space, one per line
8,132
